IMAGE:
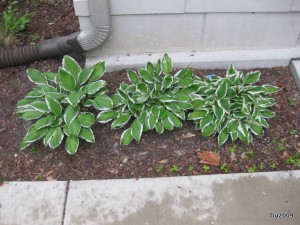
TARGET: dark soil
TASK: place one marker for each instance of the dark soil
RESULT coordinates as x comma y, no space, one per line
170,154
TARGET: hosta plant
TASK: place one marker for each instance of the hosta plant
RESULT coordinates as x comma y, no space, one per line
58,105
154,99
233,106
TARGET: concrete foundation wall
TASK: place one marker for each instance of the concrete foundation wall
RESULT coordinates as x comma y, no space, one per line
143,26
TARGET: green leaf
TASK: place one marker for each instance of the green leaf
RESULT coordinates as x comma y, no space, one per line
40,106
158,68
208,130
121,121
172,107
206,120
221,90
142,88
167,98
75,127
146,76
222,137
270,88
219,112
36,76
94,87
88,103
180,114
223,103
132,76
87,134
58,121
252,77
159,127
126,137
75,97
48,135
70,114
71,66
151,121
43,122
24,144
106,116
179,97
233,125
34,94
31,115
264,123
86,119
184,105
167,82
103,102
231,70
267,113
53,106
185,82
142,98
25,101
150,68
174,120
50,76
34,135
56,96
72,144
136,130
167,124
84,75
166,64
67,81
256,128
181,73
234,135
56,138
98,72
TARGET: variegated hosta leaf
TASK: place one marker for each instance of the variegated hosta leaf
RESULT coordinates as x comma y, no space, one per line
226,105
126,137
154,99
59,106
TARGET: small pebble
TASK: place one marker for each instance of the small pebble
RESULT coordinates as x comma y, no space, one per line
16,155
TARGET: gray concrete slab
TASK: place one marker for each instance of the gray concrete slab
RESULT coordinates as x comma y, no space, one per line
235,199
244,59
295,68
32,203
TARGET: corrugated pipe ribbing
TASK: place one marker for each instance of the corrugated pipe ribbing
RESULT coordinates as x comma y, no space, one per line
85,40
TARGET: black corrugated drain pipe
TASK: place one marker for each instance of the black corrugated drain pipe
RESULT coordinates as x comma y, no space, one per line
45,49
81,41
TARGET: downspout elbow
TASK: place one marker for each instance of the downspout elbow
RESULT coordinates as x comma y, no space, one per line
99,30
85,40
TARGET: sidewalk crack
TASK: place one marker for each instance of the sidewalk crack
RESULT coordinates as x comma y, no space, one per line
65,203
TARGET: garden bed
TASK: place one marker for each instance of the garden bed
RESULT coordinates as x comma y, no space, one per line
173,153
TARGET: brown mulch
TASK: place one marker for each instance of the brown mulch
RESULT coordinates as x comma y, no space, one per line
172,153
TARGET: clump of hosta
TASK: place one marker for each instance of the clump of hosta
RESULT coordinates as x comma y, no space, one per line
58,104
154,99
233,106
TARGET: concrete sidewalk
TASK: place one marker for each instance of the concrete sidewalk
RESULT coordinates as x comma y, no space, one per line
241,199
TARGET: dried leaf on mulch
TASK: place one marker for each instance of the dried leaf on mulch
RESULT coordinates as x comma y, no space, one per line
209,157
163,161
243,156
188,135
233,156
284,155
